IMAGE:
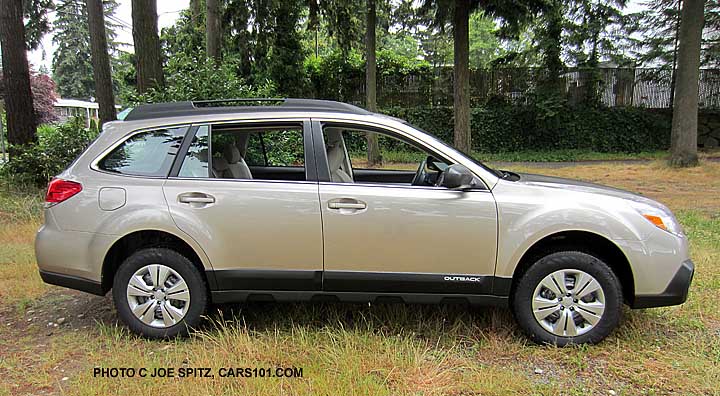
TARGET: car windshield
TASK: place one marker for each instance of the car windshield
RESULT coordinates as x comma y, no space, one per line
466,155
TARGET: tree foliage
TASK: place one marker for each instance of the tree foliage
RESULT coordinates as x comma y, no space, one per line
37,23
71,63
44,96
191,79
657,28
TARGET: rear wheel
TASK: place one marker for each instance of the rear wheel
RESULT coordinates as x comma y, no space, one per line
159,293
568,298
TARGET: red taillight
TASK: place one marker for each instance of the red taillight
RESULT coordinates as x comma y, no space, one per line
60,190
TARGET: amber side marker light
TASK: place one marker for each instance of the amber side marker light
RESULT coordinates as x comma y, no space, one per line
656,220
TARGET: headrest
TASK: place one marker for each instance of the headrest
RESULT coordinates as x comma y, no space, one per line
241,141
335,156
219,163
232,154
202,155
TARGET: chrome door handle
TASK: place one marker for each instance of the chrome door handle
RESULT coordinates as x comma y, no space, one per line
347,204
198,198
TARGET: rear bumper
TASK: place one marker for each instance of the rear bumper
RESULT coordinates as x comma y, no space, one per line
676,292
72,282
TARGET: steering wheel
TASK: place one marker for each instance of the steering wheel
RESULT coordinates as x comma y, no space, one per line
421,174
420,178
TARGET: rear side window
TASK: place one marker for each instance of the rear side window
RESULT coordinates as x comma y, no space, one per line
148,153
246,151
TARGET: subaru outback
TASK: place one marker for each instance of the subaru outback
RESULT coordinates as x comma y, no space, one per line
180,205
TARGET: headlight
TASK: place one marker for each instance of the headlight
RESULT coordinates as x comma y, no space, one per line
659,216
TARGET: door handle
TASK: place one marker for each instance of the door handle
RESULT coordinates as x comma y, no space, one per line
345,203
196,198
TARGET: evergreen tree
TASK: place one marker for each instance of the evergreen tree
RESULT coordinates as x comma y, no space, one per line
658,27
146,41
683,137
286,55
21,120
456,13
37,23
71,64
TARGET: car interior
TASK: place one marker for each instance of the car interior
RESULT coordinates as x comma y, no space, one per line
277,153
273,153
340,160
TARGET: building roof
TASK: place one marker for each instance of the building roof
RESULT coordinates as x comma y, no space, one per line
224,106
78,103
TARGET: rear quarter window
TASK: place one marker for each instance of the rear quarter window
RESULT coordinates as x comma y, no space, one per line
149,153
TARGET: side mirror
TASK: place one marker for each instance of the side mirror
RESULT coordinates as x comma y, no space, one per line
457,177
435,165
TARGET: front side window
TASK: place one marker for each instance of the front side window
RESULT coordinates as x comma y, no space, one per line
398,161
263,152
148,153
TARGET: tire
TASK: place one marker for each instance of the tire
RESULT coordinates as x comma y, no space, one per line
569,321
165,311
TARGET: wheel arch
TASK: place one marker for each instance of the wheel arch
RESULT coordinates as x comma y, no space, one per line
583,241
134,241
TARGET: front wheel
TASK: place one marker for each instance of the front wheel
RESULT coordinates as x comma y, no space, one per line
568,298
159,293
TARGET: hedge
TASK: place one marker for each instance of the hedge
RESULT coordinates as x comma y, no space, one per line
518,128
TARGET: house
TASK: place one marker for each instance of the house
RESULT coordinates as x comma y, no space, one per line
66,108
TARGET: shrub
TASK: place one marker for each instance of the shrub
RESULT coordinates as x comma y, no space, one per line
510,128
56,148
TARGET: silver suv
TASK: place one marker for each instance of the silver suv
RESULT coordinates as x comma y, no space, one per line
184,204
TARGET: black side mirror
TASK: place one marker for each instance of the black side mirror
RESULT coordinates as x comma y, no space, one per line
457,177
430,163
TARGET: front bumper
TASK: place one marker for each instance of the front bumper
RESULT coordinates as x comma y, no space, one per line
675,293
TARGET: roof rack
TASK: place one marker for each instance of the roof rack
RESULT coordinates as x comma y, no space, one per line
243,105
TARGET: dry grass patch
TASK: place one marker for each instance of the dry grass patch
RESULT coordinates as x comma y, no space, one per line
680,189
378,349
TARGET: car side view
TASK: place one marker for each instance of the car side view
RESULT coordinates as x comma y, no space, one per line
184,204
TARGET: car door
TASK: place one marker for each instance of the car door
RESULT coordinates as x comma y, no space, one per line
382,234
259,233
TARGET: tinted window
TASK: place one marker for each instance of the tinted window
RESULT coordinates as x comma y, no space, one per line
276,148
196,159
246,152
145,154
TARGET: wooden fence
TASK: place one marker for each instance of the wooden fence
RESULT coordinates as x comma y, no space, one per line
640,87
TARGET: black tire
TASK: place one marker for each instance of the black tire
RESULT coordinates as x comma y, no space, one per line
525,289
180,264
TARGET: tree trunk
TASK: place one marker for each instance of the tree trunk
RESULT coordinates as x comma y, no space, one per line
101,61
212,30
673,75
461,80
147,45
195,12
683,139
373,145
21,125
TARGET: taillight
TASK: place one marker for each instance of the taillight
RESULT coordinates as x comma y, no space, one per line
60,190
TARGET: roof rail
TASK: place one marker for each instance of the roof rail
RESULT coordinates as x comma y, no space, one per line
240,105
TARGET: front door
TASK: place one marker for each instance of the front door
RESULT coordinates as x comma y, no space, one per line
386,230
246,193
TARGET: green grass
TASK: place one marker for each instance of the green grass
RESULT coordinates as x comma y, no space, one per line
376,349
566,156
569,155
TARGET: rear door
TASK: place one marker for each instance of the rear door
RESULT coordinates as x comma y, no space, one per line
262,231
